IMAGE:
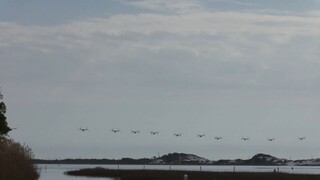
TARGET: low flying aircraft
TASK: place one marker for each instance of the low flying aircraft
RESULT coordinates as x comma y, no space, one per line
135,131
154,132
217,137
271,139
177,135
201,135
83,129
301,138
245,138
115,130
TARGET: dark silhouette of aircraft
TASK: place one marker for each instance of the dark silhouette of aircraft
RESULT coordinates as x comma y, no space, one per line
154,132
83,129
217,137
245,138
301,138
115,130
135,132
271,139
177,135
201,135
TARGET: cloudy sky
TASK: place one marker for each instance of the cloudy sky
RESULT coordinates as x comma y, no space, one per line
230,68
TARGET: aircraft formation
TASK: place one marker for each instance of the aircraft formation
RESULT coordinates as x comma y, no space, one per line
180,134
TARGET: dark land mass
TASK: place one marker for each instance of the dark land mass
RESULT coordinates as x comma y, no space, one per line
93,161
188,159
194,175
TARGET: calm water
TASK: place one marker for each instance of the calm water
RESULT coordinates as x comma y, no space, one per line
56,172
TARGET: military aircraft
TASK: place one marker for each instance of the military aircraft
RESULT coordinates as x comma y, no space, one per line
135,131
154,132
271,139
83,129
301,138
177,135
217,137
115,130
245,138
201,135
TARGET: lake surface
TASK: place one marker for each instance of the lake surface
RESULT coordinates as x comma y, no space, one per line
56,172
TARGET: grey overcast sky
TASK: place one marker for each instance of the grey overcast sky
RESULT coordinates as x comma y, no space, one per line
230,68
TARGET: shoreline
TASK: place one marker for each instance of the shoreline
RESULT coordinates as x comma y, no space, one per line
194,175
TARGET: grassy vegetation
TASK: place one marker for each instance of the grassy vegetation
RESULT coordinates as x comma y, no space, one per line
192,175
16,161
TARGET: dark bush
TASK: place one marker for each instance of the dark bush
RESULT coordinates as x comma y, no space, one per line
16,161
